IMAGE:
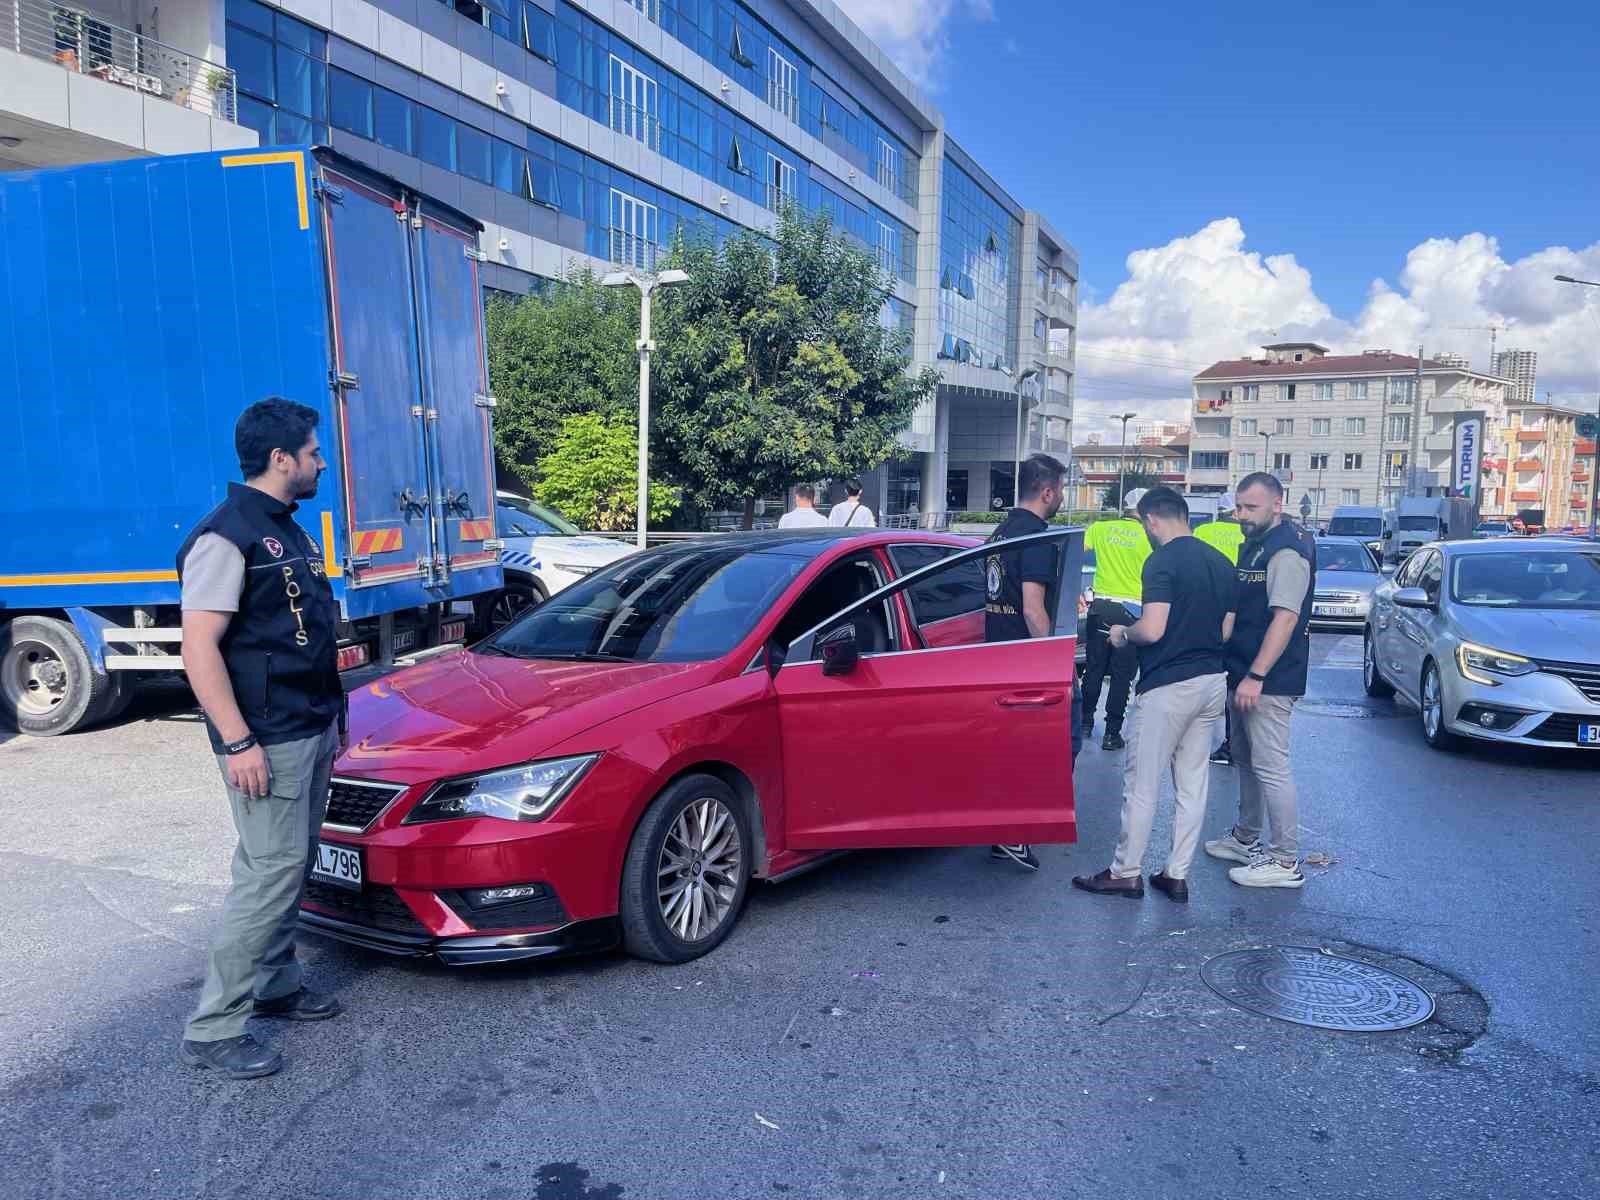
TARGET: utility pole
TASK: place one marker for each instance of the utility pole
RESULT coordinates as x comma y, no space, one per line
1122,457
1413,478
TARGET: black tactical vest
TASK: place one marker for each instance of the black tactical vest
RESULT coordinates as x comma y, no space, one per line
281,646
1252,616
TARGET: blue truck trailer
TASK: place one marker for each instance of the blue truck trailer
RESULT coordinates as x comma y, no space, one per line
143,305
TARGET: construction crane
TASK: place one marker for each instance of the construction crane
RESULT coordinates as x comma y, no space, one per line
1492,330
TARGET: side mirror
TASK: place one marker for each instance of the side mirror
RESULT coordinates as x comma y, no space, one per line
777,655
839,651
1413,598
1388,568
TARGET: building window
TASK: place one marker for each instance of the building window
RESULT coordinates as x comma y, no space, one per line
736,50
1321,426
1286,391
436,138
1350,496
888,166
1225,396
1252,393
1358,389
650,10
1402,390
1247,460
633,104
1352,462
1319,462
1280,462
351,104
780,183
391,120
1400,428
472,153
1319,496
1041,328
1285,425
1355,426
538,32
1209,460
1397,464
1247,427
1322,391
783,85
281,76
633,231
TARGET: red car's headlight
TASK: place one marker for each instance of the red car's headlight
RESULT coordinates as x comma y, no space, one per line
523,793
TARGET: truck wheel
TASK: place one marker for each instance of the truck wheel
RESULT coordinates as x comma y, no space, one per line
687,871
115,700
47,683
499,609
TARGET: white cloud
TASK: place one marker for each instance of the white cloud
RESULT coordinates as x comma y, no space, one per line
914,33
1204,297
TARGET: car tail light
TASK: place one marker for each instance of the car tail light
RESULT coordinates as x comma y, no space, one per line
355,655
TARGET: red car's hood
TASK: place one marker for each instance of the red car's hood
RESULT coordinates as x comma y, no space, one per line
464,712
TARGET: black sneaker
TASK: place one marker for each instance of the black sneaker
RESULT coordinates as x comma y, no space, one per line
1113,741
1023,856
1222,755
237,1058
303,1005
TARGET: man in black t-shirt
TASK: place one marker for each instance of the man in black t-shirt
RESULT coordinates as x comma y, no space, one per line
1188,614
1021,587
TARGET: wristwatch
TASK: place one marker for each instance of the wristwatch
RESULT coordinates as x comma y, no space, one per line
1256,675
239,747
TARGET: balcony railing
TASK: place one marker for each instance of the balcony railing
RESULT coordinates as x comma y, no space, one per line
633,250
631,121
87,43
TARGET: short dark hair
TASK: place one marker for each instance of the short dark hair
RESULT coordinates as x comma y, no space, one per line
1165,503
805,492
852,487
1270,482
1039,471
268,425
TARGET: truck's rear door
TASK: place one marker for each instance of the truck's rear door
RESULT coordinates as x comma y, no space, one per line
456,386
382,421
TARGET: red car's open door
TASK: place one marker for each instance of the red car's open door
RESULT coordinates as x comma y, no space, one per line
939,744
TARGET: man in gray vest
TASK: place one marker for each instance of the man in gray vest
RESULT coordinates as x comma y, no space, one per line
259,633
1267,659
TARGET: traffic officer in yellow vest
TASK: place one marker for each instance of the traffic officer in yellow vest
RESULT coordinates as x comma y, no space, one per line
1226,534
1120,548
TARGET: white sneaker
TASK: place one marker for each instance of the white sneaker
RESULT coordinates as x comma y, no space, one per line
1266,872
1232,849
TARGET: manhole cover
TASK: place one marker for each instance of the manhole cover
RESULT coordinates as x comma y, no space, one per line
1306,986
1345,708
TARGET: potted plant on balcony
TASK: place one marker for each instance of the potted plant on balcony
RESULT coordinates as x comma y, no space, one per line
68,37
219,84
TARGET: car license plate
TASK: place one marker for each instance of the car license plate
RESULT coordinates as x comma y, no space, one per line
404,639
453,631
339,865
1335,610
1589,735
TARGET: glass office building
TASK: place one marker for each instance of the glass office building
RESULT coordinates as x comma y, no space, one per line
590,133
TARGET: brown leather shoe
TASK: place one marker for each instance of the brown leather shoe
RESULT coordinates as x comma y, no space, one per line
1177,890
1107,884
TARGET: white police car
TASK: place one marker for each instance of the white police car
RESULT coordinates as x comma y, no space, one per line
543,552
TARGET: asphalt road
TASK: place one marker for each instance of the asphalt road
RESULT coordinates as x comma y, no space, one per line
916,1024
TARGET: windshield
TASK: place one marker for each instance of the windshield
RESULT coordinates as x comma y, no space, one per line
1355,527
686,603
1492,527
1345,557
1419,522
1546,579
524,518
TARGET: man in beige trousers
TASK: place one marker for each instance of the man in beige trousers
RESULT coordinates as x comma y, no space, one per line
1188,614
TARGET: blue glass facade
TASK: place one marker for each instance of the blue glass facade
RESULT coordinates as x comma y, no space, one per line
979,280
282,74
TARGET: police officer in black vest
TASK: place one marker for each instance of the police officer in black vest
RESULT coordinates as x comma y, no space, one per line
259,648
1267,658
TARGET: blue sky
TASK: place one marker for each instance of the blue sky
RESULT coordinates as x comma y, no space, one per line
1367,141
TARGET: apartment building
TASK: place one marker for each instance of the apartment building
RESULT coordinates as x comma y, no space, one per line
1522,368
1338,429
1540,466
1582,493
591,133
1096,467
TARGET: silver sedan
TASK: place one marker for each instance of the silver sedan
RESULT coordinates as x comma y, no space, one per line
1347,575
1493,639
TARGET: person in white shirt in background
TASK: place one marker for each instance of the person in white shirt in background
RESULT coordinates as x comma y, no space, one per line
852,514
804,514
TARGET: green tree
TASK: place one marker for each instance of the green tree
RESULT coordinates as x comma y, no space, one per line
1135,478
773,366
550,357
591,474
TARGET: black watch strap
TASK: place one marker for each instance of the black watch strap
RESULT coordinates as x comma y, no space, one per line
240,746
1256,675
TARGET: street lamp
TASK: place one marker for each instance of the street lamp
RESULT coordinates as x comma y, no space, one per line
1594,477
1266,455
1016,467
1122,459
646,282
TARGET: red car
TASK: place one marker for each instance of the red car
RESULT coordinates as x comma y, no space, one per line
619,763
